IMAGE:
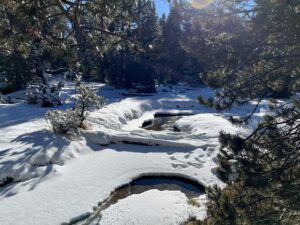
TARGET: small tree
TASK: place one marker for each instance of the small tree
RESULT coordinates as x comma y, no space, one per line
87,100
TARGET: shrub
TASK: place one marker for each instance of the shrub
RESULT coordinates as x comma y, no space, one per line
4,99
64,122
45,96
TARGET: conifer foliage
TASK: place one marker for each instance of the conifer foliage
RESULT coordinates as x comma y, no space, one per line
123,43
254,55
263,171
86,100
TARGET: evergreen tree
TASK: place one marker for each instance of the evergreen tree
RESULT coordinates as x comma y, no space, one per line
266,190
133,66
253,54
178,64
147,31
172,53
35,35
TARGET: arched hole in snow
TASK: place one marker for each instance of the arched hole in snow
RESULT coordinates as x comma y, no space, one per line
190,188
164,121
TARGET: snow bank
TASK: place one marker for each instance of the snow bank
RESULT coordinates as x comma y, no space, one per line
206,125
152,207
75,188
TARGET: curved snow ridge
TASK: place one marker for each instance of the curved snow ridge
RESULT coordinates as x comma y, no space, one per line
202,179
201,200
152,207
114,115
200,130
198,212
122,121
142,137
207,125
117,114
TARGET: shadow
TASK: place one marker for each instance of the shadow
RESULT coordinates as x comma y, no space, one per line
20,112
242,111
123,147
111,94
33,164
190,188
4,152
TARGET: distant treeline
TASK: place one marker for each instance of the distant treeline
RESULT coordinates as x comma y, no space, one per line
123,43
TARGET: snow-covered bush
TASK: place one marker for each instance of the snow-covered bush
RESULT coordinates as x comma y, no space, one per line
4,99
64,122
68,122
45,96
3,82
32,97
70,75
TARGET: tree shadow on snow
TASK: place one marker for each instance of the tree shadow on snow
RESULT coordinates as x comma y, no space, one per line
33,164
20,112
122,147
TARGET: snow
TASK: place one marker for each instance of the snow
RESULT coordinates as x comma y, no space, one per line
57,179
73,189
207,126
137,209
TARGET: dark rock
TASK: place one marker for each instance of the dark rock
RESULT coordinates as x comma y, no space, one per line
176,129
147,123
6,181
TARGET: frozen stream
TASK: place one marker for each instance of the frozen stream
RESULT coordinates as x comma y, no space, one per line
190,188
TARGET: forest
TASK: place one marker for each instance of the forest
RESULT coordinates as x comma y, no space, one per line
99,94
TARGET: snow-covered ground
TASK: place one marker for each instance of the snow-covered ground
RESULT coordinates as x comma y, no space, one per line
56,179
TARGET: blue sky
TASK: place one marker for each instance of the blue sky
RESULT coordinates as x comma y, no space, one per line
162,6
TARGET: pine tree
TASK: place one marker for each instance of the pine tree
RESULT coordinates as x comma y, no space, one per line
177,63
172,53
148,30
253,54
266,190
79,33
